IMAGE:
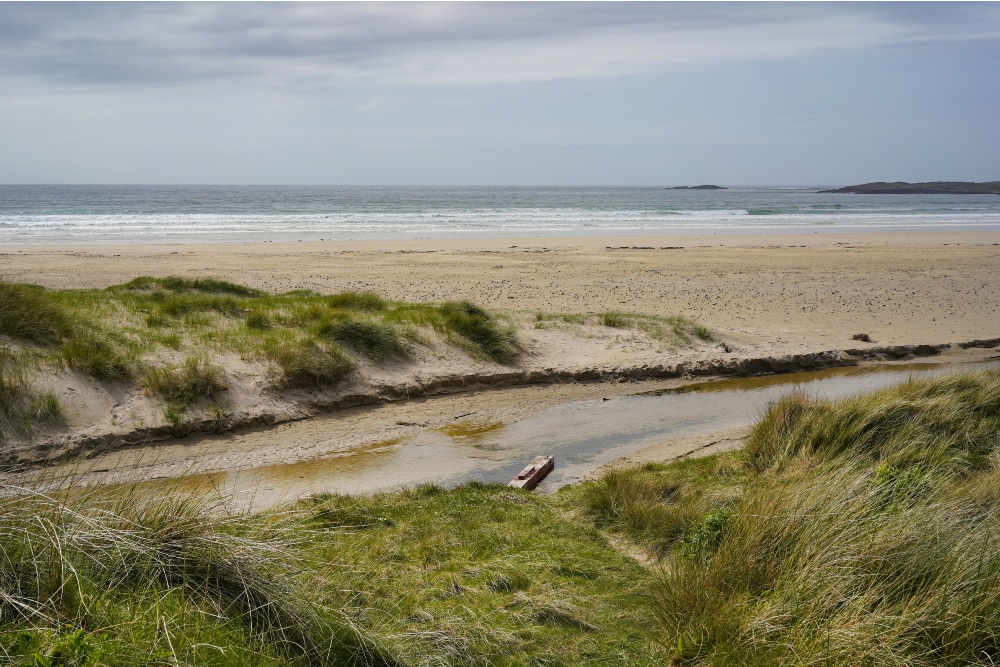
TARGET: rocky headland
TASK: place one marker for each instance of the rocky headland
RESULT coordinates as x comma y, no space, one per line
931,188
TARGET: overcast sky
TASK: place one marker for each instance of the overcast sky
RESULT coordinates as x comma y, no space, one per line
495,93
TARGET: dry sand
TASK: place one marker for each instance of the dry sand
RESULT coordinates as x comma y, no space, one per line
812,290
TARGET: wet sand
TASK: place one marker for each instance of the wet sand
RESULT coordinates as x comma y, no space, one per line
485,436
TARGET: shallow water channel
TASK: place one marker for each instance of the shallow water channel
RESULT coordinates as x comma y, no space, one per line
582,436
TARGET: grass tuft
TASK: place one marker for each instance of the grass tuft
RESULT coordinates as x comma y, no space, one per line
368,301
672,330
375,340
22,408
303,364
258,319
480,328
859,531
183,385
121,577
28,312
177,284
96,356
950,420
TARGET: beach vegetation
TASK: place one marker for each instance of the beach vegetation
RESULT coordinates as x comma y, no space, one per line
453,578
29,313
369,301
305,364
614,319
184,384
258,319
118,577
479,328
419,577
178,285
311,339
858,531
670,330
97,355
544,320
373,339
22,408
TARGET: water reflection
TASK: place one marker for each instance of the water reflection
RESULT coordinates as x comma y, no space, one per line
582,435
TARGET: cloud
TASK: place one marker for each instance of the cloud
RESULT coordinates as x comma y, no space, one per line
317,45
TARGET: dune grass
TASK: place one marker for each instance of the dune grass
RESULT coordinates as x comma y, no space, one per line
670,330
28,313
484,575
421,577
128,333
860,531
258,324
22,408
184,384
119,578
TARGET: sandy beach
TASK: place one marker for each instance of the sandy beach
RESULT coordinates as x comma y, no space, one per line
792,292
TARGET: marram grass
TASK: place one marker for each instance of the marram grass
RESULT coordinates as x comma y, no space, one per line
861,531
811,547
421,577
129,333
115,577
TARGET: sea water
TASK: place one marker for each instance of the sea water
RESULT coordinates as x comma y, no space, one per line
71,214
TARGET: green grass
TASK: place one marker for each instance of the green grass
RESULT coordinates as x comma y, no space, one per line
22,408
456,578
310,340
184,384
376,340
479,328
97,356
420,577
854,532
369,301
176,284
656,504
671,330
28,312
115,577
860,531
306,364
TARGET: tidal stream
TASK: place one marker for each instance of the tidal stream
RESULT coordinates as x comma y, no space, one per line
582,436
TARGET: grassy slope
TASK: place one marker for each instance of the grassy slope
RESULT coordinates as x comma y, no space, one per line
424,577
123,333
165,334
856,532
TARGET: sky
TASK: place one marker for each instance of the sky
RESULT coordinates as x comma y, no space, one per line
499,93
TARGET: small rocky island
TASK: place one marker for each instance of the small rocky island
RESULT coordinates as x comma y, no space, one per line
698,187
932,188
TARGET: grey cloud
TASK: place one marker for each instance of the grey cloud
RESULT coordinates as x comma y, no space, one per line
111,44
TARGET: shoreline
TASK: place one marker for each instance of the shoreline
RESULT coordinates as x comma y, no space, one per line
984,234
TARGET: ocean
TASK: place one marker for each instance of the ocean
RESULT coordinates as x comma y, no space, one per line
92,214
